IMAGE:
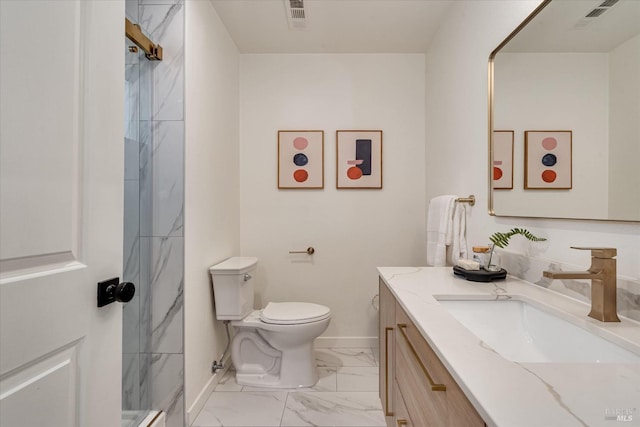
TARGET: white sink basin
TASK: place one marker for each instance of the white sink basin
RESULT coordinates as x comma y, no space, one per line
520,332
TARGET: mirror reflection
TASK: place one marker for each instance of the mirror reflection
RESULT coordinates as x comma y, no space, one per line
566,92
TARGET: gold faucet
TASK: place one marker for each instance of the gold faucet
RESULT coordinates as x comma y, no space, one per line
603,282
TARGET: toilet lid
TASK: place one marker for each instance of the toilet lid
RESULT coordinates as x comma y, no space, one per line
287,313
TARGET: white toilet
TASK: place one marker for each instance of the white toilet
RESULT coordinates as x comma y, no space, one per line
272,347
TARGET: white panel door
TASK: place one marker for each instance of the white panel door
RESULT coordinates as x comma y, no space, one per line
61,208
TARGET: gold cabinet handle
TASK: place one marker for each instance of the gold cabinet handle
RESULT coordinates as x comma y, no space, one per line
434,386
402,423
387,412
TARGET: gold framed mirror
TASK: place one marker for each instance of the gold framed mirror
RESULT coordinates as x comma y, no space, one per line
565,87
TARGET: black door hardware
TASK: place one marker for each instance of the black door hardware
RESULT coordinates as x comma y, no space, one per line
112,290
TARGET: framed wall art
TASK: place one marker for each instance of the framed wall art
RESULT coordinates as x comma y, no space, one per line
301,159
503,159
547,159
359,159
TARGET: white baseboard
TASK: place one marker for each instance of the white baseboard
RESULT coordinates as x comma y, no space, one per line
206,391
346,342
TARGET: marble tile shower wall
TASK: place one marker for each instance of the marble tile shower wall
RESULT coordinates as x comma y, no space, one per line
155,167
530,269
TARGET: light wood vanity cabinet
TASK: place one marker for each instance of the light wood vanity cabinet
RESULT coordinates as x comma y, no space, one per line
386,358
422,392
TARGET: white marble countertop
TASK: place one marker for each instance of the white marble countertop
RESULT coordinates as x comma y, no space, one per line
512,394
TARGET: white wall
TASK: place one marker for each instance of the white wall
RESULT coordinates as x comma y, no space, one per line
353,231
555,91
624,197
457,134
211,186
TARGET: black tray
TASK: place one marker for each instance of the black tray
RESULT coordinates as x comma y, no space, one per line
480,275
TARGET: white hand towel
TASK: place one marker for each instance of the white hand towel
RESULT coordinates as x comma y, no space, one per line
459,233
439,221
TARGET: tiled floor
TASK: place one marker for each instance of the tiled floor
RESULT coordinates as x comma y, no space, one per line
345,395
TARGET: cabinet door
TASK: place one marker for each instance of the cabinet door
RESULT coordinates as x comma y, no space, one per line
401,414
461,412
440,400
426,406
386,329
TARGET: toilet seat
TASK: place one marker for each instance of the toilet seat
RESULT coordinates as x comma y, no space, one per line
293,313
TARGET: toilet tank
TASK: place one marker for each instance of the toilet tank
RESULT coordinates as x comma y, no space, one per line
233,287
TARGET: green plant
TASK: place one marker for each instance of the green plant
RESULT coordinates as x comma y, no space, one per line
501,240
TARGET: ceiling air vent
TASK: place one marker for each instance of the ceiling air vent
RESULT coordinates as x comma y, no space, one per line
608,3
596,12
296,15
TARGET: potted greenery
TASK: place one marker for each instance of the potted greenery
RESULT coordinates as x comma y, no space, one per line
501,240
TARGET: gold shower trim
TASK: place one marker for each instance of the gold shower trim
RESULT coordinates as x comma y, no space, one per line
152,51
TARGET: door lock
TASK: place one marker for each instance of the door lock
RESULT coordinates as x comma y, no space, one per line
112,290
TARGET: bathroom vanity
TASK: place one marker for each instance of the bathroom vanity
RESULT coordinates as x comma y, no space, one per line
435,371
415,387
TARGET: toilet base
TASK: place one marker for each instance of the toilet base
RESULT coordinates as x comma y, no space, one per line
264,366
274,355
292,373
270,381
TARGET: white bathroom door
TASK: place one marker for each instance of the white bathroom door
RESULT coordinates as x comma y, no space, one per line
61,208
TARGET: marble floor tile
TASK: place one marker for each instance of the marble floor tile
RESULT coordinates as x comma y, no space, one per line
228,382
345,395
345,357
326,382
250,409
376,355
358,409
357,378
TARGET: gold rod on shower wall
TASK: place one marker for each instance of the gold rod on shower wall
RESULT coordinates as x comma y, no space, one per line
133,32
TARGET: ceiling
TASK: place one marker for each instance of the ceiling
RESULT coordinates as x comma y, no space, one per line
333,26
